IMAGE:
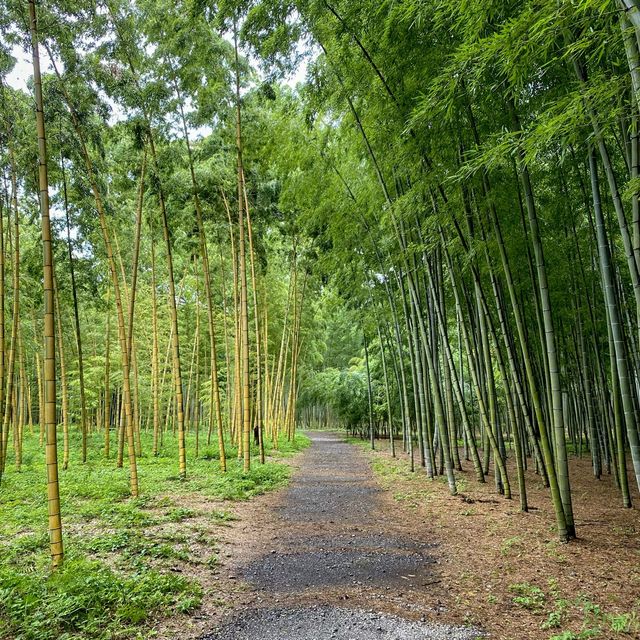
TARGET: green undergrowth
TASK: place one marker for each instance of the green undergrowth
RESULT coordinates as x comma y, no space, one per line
122,555
87,599
577,618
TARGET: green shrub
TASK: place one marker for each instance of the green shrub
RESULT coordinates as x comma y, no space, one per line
86,599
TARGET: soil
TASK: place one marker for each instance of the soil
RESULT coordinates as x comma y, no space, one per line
487,547
348,551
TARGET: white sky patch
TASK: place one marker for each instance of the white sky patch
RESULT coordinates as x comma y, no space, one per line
23,69
298,75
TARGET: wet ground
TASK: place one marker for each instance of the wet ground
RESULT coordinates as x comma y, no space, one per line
335,540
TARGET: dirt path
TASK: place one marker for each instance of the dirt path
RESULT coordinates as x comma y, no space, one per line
328,558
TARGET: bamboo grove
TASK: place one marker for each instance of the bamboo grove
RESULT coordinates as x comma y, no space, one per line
434,239
164,312
469,174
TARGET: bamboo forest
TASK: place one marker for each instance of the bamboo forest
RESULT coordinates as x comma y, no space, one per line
319,319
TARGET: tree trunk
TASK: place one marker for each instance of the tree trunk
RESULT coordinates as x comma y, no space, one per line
53,493
617,331
244,319
76,315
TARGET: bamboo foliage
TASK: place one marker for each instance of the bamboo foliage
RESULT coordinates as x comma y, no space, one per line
454,271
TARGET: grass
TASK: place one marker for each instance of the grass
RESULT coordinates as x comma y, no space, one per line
119,552
390,470
508,544
589,619
528,596
87,599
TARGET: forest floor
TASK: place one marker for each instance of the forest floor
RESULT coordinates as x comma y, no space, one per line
506,572
331,556
358,547
130,564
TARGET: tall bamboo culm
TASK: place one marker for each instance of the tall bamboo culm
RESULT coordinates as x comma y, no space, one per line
53,491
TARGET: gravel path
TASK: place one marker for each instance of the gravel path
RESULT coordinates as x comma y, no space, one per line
323,623
334,541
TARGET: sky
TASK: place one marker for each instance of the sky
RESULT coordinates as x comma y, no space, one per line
23,69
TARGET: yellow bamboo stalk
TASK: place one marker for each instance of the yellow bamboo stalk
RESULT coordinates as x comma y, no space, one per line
2,334
53,492
267,381
63,378
107,376
258,421
244,312
40,389
227,357
280,373
122,334
235,418
192,364
290,422
8,419
15,419
130,295
155,363
21,393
